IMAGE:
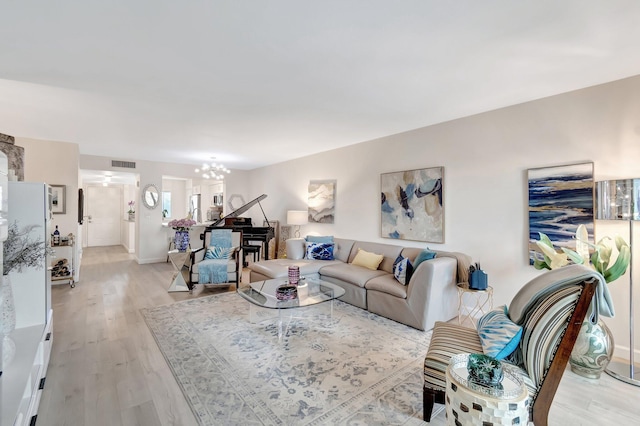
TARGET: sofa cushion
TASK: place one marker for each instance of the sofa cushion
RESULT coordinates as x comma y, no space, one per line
350,273
367,259
319,251
402,270
387,284
390,253
279,268
342,249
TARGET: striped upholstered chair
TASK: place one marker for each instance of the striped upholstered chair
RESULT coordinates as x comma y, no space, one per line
550,309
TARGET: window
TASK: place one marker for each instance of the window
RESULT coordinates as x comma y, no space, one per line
166,204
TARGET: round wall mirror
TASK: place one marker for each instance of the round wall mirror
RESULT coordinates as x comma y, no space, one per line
150,196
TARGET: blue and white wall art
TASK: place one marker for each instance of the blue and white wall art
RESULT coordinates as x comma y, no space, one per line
560,199
412,206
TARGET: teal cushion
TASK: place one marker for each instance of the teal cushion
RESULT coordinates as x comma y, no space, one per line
214,252
498,334
422,256
319,239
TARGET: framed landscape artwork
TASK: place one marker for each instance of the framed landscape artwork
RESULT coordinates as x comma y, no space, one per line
560,199
321,201
411,205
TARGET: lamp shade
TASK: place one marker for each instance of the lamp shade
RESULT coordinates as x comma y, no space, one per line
618,199
297,217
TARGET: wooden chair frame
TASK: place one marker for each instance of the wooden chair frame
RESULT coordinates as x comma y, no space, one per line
237,256
551,381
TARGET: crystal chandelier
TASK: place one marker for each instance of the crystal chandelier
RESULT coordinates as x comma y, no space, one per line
213,171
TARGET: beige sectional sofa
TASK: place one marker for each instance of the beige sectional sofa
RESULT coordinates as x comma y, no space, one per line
429,296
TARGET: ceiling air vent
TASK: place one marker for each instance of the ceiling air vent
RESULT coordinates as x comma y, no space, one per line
123,164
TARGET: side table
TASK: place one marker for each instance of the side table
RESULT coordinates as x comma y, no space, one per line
482,303
180,261
469,403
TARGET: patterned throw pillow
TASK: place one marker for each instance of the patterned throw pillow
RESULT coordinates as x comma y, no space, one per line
498,334
214,252
402,270
319,251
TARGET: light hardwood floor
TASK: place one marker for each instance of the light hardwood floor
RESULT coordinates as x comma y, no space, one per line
106,368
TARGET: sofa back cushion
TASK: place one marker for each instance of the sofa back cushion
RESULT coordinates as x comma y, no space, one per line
389,252
342,248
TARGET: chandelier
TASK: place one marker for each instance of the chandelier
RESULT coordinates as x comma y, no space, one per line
213,170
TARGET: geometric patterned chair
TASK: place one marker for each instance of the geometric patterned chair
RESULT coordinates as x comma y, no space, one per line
550,309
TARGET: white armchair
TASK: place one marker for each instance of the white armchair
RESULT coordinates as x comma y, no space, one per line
234,271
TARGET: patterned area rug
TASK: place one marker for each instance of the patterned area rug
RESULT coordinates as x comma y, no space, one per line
355,368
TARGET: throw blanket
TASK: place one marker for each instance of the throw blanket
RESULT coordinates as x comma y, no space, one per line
220,238
212,271
550,281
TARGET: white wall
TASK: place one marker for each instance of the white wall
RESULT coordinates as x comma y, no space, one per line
55,163
485,159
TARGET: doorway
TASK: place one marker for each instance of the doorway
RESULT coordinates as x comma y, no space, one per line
103,215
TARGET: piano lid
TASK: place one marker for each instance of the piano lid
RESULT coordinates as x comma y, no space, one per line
242,209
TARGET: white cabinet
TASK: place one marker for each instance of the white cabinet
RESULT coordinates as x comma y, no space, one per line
22,379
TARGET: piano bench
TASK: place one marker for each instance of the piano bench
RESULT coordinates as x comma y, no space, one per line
250,248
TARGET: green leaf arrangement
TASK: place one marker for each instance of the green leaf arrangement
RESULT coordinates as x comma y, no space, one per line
597,255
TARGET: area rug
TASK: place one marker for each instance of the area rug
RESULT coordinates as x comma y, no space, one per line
354,368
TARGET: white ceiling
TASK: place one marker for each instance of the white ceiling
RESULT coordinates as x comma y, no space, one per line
259,82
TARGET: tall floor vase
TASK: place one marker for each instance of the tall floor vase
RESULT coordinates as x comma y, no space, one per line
592,351
7,322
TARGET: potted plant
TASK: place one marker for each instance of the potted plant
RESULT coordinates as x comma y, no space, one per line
593,349
132,212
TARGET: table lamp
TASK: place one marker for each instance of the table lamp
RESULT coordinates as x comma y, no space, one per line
297,218
620,200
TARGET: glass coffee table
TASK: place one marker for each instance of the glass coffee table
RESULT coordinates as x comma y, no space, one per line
310,292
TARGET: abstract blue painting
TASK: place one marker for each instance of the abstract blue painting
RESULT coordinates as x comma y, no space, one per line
411,203
560,199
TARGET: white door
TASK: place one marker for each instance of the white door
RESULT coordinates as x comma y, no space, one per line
104,214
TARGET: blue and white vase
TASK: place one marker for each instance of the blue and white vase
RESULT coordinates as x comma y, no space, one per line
181,240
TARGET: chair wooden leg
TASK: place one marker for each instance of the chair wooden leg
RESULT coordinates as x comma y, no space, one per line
428,400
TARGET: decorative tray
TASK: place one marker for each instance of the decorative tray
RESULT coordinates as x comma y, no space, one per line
512,384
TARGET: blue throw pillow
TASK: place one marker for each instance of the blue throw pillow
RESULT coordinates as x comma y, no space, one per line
402,270
498,334
319,251
319,239
214,252
422,256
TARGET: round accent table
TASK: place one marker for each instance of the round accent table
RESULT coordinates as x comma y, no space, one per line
470,403
482,302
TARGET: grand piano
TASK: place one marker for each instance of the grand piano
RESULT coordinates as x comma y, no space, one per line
250,233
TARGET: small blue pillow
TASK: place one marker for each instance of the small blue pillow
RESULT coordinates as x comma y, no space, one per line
214,252
422,256
402,270
319,239
319,251
498,334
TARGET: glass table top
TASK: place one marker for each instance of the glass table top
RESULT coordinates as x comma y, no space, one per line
310,292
